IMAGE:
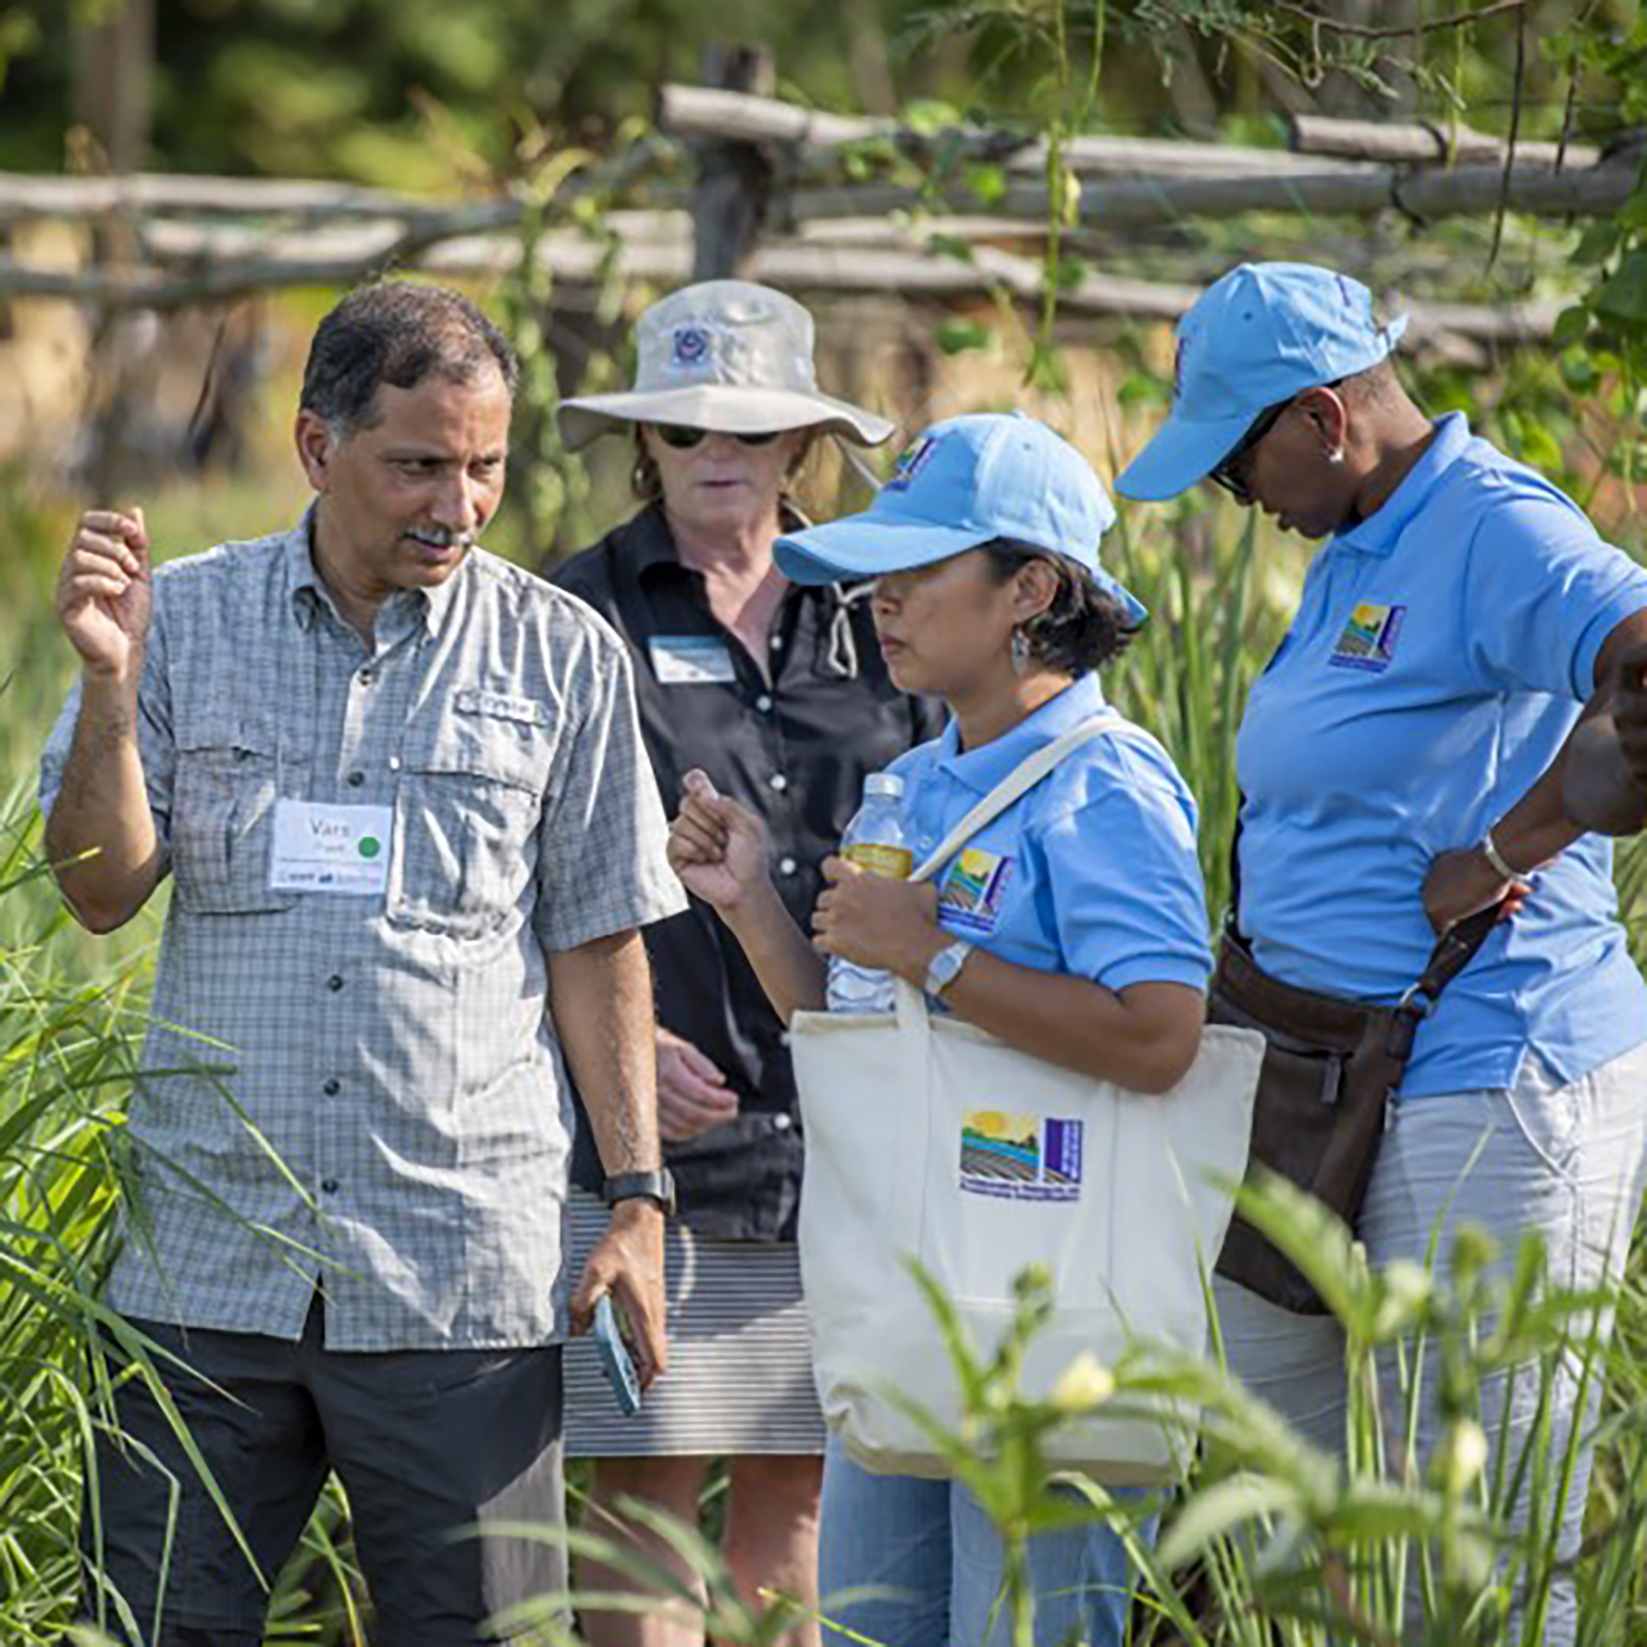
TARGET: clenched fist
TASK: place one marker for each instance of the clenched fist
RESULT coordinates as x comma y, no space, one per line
716,846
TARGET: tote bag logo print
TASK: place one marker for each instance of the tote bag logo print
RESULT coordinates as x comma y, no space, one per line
1020,1157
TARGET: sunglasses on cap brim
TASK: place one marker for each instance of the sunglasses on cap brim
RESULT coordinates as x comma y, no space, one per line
683,437
1231,473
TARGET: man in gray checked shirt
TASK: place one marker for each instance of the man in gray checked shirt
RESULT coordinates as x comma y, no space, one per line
400,790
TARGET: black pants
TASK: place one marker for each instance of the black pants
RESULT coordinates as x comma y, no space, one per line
429,1445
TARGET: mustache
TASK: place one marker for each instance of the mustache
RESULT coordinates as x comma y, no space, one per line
442,537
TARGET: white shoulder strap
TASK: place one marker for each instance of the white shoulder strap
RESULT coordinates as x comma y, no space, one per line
1019,781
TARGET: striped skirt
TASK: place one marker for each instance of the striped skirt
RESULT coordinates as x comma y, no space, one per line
740,1355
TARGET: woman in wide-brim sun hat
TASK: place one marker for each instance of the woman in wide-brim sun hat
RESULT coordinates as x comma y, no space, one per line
781,694
1073,928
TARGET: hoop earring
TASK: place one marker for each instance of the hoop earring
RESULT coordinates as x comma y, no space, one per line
1020,652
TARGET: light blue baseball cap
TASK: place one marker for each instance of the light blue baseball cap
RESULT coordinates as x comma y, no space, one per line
1256,337
963,483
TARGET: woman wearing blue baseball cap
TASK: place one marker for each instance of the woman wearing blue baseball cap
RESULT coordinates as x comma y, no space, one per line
1401,766
1074,930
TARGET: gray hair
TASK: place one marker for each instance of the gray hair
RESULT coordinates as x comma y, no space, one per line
397,332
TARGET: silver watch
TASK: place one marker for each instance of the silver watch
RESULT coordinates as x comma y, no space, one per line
945,967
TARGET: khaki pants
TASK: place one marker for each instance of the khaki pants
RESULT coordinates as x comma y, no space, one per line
1562,1161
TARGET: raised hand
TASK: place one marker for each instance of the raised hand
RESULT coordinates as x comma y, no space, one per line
717,846
104,596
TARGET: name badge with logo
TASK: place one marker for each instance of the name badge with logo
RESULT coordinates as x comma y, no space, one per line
691,660
320,848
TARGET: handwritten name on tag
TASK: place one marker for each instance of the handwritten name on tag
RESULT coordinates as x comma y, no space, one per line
339,849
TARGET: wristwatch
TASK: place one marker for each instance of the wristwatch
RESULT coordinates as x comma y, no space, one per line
657,1187
944,967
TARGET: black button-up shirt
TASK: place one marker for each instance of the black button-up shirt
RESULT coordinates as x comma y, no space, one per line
796,751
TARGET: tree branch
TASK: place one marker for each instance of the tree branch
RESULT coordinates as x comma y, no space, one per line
1372,31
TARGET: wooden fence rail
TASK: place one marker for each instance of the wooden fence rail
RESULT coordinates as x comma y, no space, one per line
202,240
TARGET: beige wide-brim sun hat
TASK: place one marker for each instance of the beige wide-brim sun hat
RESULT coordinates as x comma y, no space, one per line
728,356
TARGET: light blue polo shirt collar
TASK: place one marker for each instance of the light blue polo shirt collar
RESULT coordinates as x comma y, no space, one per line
1377,534
981,769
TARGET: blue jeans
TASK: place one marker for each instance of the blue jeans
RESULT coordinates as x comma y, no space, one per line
931,1542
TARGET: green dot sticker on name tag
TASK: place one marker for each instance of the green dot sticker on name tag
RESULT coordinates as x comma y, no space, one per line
370,846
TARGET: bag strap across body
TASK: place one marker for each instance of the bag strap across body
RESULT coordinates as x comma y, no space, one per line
1453,951
1018,782
1332,1068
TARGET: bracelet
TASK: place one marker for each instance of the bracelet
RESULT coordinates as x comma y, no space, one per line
1489,851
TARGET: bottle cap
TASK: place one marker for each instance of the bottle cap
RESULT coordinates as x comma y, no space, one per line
885,784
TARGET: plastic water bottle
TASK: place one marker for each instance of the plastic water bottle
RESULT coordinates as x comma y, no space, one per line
876,842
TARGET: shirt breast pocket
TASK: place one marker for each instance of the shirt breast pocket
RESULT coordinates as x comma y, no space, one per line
222,821
473,785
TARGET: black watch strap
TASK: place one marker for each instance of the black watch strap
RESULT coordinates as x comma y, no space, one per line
658,1187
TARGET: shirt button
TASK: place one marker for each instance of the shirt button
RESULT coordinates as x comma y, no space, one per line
365,677
329,1185
394,763
787,866
335,982
779,782
356,779
331,1087
764,702
781,1123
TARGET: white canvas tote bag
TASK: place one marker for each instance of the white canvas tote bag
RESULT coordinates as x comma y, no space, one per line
927,1138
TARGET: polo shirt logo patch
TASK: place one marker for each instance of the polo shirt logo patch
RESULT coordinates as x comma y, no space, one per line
970,893
1021,1157
1368,640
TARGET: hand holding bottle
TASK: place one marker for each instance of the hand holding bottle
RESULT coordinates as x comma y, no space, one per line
873,925
874,850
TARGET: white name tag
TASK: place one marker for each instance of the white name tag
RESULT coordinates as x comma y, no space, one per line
472,700
691,660
319,848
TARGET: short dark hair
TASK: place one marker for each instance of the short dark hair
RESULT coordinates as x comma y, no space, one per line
397,332
1083,627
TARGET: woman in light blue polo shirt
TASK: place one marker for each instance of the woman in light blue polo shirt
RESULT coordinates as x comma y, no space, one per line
1400,763
1077,932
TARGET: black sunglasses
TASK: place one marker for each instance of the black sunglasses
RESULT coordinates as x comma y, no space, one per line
1231,471
683,437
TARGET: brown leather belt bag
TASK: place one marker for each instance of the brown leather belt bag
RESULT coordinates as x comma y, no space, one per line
1331,1070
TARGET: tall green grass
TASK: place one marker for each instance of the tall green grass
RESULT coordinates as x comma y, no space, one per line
67,1049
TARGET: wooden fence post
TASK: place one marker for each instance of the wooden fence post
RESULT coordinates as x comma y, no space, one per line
734,178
